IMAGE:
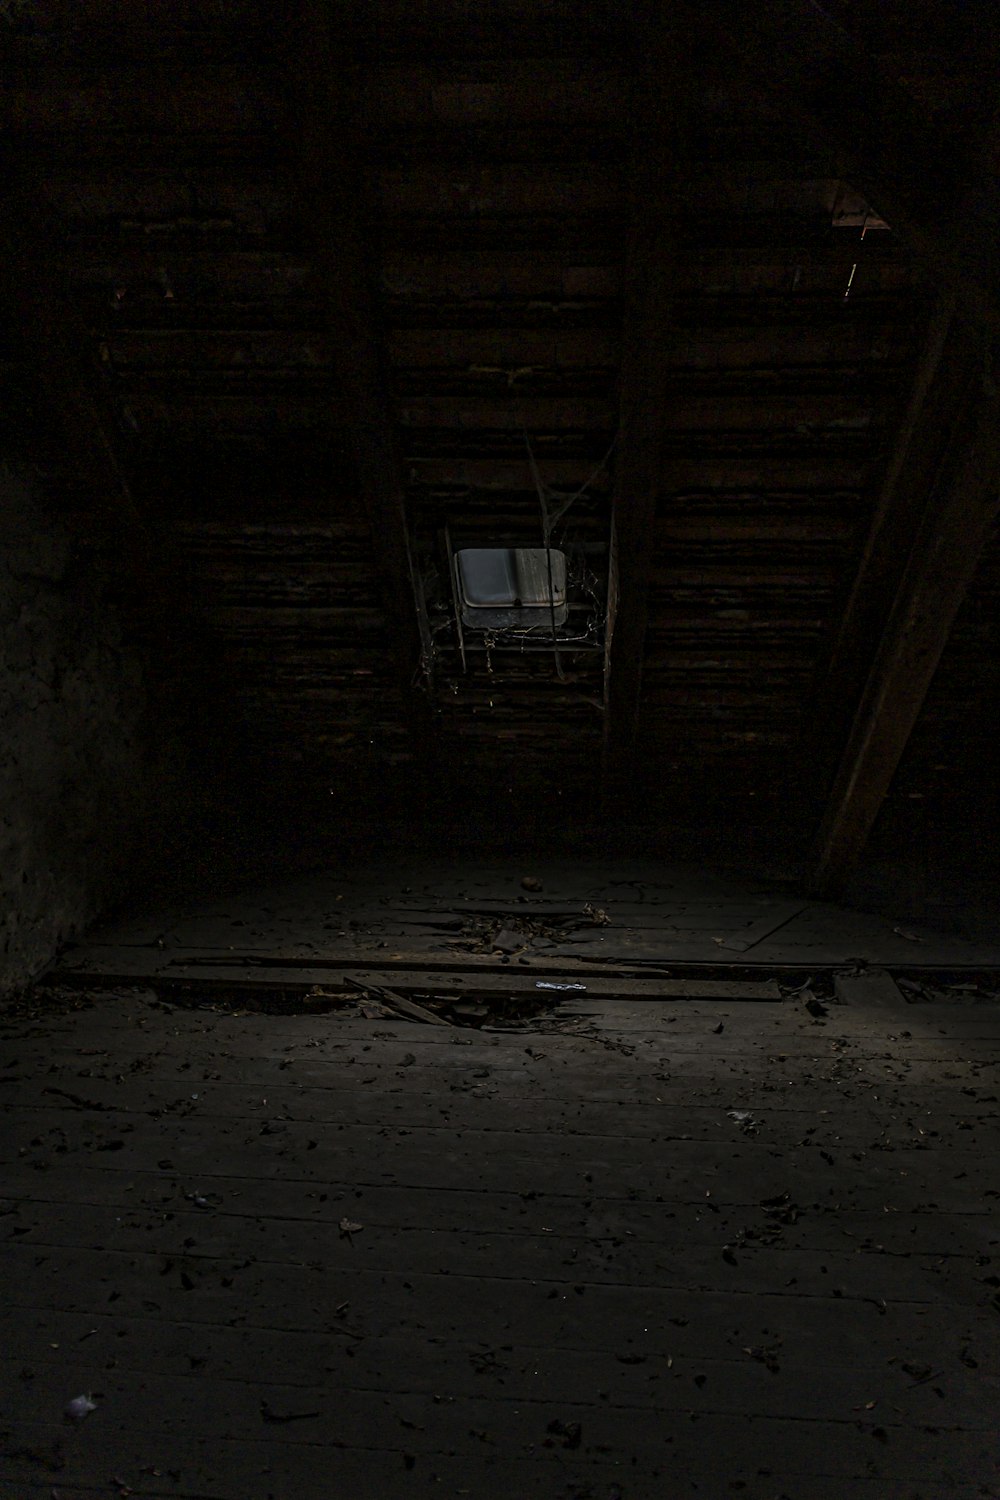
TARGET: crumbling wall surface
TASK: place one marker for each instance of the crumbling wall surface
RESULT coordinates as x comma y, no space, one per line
76,772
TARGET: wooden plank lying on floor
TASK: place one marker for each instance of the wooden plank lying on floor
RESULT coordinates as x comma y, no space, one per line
595,985
116,966
512,979
873,989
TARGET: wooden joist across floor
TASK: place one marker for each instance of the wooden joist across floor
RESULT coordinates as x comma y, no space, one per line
115,966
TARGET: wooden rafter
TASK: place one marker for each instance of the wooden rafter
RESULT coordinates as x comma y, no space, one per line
885,143
642,394
939,496
962,501
950,362
333,191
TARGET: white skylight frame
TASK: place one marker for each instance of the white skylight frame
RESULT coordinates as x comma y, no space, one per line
511,588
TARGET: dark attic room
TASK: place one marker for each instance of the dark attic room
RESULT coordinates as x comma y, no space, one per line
499,641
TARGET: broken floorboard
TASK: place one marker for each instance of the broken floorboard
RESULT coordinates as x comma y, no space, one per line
413,914
312,1255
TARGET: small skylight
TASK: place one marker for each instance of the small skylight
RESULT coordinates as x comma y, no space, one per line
511,588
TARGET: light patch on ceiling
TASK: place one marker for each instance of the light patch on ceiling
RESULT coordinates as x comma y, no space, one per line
511,588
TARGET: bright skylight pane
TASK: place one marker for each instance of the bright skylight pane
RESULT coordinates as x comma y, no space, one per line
533,565
511,577
489,577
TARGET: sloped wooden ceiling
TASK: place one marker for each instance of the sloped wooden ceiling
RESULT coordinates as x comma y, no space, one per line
349,292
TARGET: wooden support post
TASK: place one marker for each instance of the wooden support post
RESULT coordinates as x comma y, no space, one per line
642,395
962,505
335,203
948,369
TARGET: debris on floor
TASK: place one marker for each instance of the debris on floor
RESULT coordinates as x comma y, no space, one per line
78,1408
512,933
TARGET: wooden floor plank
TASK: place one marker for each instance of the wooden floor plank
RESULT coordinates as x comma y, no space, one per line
740,1173
196,1243
262,1357
376,1419
569,1046
510,1075
639,1119
865,1333
823,1224
716,1449
124,1021
493,1478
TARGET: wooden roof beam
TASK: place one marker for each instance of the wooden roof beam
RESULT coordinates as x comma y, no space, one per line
322,80
948,368
642,393
962,502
